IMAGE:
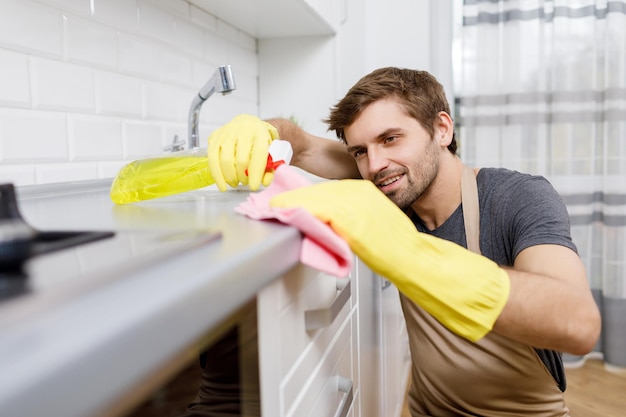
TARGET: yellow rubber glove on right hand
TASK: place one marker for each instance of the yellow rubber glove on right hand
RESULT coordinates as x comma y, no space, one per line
464,291
238,152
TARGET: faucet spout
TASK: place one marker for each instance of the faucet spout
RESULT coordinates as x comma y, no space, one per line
222,81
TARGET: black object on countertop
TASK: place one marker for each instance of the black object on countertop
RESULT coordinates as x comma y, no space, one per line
20,242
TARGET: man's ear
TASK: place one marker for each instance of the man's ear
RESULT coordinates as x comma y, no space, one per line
444,128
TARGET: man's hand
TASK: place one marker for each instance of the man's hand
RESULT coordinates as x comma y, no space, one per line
464,291
238,152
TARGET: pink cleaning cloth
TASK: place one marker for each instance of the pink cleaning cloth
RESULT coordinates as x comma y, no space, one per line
322,248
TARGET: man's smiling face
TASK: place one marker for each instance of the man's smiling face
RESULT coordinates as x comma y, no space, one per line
394,151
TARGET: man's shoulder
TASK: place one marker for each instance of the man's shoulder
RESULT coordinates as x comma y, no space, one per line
506,179
492,172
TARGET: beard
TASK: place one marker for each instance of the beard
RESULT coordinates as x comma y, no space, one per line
420,176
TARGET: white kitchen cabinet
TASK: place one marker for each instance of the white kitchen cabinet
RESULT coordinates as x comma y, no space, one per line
383,346
395,351
306,344
319,355
277,18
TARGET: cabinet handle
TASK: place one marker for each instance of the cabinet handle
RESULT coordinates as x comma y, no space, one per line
386,284
315,319
344,385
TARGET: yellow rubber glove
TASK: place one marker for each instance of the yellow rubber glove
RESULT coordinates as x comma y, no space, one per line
464,291
238,152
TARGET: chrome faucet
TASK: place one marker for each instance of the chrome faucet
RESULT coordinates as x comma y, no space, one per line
222,81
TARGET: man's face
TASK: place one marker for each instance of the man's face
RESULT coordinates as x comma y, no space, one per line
393,151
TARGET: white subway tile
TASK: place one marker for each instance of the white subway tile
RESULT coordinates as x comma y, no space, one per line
204,131
17,174
156,23
245,61
142,139
166,102
224,108
86,85
14,82
64,172
90,42
139,56
246,41
30,136
221,52
175,67
94,138
189,37
247,86
110,169
118,94
226,31
62,86
177,7
31,27
121,14
177,129
204,19
201,71
81,7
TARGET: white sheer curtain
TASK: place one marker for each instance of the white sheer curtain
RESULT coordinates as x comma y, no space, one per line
541,88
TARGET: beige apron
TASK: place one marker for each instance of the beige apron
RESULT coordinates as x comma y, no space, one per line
493,377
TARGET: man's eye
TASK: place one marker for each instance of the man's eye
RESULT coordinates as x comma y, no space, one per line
358,153
390,139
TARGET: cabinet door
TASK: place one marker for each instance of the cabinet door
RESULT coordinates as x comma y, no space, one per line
305,341
397,359
370,341
383,346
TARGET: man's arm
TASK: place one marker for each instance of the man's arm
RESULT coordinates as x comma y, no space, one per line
325,158
550,304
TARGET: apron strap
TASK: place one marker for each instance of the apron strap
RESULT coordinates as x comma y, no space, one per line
471,214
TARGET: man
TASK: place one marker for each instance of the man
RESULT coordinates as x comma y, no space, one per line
484,325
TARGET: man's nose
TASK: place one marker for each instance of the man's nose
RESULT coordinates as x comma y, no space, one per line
377,160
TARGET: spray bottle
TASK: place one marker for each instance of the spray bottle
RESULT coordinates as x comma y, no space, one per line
185,171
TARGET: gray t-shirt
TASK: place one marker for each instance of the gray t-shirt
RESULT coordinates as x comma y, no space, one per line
516,211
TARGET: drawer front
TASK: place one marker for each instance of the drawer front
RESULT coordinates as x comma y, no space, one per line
299,317
329,390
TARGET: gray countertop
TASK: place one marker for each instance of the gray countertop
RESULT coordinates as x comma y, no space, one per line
180,266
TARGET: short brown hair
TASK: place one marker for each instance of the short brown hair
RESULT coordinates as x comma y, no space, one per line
420,93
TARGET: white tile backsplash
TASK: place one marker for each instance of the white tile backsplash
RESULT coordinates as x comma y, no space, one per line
120,14
141,139
93,138
203,18
89,85
139,56
155,22
62,86
118,94
14,82
109,169
188,36
175,67
166,102
77,171
80,7
17,174
31,27
31,136
178,7
80,37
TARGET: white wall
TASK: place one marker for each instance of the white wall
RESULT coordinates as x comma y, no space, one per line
305,76
87,85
